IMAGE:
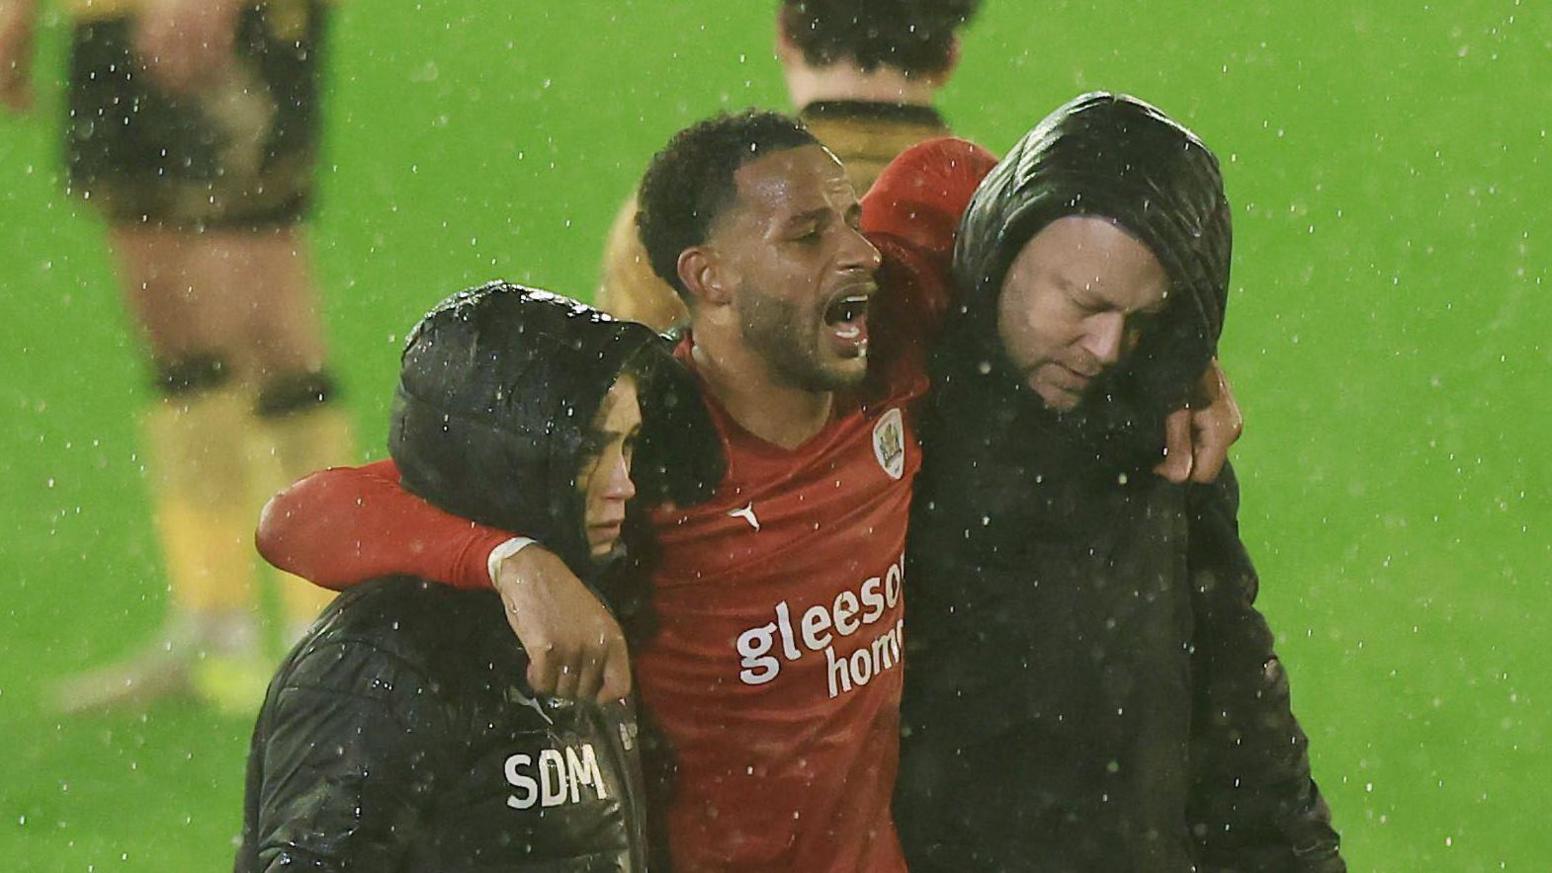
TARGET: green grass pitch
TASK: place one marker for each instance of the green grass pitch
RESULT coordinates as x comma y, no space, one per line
1389,164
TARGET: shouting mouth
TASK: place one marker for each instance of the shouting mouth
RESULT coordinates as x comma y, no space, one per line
847,320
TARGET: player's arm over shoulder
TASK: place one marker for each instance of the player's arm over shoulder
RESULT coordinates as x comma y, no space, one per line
911,214
920,197
345,525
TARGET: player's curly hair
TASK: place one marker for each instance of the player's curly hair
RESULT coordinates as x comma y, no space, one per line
690,181
915,36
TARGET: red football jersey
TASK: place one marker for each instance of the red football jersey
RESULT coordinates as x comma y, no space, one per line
775,674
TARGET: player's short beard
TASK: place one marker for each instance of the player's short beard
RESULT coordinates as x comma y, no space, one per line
778,331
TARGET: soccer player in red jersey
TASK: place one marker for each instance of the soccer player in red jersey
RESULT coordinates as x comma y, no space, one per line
774,673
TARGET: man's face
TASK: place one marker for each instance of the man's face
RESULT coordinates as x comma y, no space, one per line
605,478
800,271
1074,303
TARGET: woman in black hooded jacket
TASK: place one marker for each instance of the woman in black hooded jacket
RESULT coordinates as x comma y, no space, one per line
400,734
1088,685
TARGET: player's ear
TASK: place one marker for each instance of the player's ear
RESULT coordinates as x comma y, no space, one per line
705,276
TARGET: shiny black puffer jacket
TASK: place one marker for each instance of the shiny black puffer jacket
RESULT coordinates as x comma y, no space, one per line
401,736
400,733
1089,686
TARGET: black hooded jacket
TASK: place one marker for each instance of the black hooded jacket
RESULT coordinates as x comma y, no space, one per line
400,733
1089,687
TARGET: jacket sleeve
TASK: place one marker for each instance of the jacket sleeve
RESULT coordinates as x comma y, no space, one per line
348,765
1254,805
345,525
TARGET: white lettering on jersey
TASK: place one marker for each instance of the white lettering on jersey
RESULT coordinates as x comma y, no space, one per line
817,630
561,775
866,662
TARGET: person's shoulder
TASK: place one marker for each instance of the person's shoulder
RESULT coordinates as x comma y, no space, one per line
404,609
400,626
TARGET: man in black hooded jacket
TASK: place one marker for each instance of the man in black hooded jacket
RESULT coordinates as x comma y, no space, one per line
400,734
1089,686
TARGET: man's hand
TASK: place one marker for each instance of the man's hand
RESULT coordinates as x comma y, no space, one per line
17,19
1197,438
184,44
575,647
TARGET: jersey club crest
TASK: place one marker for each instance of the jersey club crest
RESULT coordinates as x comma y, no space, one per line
889,443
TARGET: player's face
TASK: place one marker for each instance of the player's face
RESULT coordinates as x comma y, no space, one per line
1074,303
605,478
802,272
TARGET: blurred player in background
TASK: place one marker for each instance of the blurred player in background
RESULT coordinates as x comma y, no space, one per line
193,127
863,75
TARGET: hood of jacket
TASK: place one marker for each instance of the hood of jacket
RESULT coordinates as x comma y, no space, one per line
498,389
1111,156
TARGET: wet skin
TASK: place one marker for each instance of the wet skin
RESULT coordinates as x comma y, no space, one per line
605,477
800,270
1073,304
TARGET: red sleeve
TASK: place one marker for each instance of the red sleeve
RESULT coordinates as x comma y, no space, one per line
912,214
345,525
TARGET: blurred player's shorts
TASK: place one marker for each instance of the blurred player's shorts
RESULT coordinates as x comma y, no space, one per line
239,153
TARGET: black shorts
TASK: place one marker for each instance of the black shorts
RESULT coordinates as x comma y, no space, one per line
238,153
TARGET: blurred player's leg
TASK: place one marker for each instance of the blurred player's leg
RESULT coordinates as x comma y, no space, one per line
192,435
296,433
285,446
263,278
297,424
292,423
205,187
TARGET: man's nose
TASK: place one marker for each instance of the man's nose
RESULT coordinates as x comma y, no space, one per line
1104,337
859,254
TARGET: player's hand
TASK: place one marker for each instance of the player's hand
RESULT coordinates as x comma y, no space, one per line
1197,438
185,44
17,20
575,648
